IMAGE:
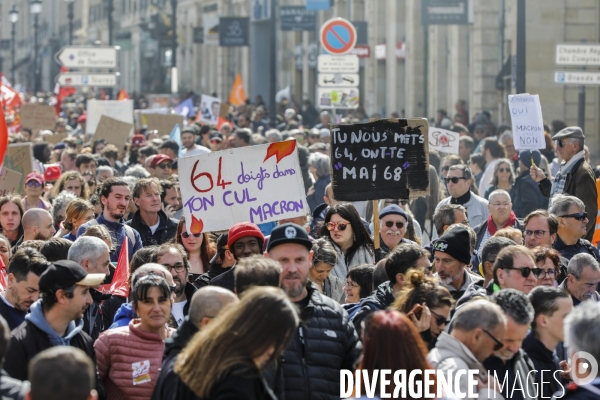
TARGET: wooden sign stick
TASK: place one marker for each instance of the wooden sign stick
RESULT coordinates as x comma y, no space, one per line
376,224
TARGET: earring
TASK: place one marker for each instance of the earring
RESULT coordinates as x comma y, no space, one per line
354,238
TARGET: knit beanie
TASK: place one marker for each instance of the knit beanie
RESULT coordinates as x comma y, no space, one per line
456,243
243,229
393,209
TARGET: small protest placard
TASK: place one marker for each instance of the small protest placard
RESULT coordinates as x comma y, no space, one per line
443,140
256,184
19,158
38,116
163,123
379,160
9,182
121,110
56,138
113,131
210,109
527,122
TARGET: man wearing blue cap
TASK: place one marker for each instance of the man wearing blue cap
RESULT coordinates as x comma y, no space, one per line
393,222
526,193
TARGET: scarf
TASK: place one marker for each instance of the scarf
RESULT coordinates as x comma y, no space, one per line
462,200
558,185
492,226
362,256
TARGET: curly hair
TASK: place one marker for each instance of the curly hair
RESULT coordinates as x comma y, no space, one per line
68,176
422,289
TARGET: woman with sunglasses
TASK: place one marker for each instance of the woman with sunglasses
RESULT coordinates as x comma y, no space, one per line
78,212
349,237
199,247
547,261
34,188
426,303
503,178
129,358
324,259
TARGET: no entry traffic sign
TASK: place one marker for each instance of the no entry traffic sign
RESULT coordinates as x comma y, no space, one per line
338,36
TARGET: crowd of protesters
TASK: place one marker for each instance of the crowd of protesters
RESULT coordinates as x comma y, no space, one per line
496,270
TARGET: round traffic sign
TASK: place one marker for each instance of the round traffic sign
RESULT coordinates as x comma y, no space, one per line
338,36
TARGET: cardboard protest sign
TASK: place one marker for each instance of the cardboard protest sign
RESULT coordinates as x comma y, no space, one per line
443,140
56,138
9,182
38,116
256,184
140,115
121,110
210,109
19,158
527,122
113,131
163,123
379,160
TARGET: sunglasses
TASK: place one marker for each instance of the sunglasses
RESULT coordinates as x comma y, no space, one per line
33,184
454,179
341,226
503,169
538,233
498,344
186,235
581,216
163,166
390,224
525,271
561,144
440,319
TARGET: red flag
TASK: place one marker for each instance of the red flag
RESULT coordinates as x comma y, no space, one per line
119,286
3,275
123,95
3,139
103,95
64,91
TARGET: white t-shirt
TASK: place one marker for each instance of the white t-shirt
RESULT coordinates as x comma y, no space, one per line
177,311
153,228
195,151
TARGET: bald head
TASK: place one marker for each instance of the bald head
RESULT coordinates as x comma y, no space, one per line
37,225
208,302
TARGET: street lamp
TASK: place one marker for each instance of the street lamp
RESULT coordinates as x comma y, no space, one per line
70,6
14,17
35,7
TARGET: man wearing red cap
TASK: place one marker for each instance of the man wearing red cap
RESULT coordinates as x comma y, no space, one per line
245,239
161,166
34,187
137,142
81,121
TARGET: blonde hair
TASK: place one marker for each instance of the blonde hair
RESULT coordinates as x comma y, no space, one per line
510,233
75,210
265,318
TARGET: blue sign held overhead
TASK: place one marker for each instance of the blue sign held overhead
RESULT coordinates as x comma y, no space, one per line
318,5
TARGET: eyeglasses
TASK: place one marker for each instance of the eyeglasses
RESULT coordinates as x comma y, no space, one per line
537,272
35,184
390,224
163,166
440,319
454,179
178,268
351,285
503,169
538,233
186,235
498,344
578,216
341,226
525,271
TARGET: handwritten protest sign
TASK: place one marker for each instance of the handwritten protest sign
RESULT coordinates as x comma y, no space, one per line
527,122
38,116
381,159
443,140
9,182
121,110
19,158
163,123
256,184
210,109
53,139
113,131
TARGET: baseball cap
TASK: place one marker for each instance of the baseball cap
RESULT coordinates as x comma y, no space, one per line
52,173
138,140
34,176
216,136
221,247
63,274
158,159
289,233
82,118
324,132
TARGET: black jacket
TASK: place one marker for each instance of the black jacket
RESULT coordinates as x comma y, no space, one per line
225,280
93,323
482,228
214,271
543,360
28,340
380,299
189,292
109,308
168,380
526,195
167,228
582,246
11,389
324,343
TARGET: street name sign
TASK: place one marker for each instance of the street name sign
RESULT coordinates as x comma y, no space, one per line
87,57
577,77
579,54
